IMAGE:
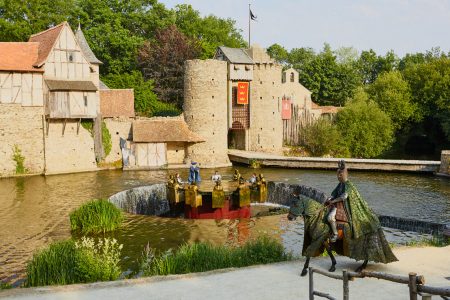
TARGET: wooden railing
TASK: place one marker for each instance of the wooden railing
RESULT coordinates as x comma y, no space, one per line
415,283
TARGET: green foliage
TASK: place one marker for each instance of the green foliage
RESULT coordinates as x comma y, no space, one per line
98,261
279,53
201,257
209,31
366,130
393,95
5,285
106,139
434,241
255,164
88,125
19,159
145,101
96,216
68,262
320,138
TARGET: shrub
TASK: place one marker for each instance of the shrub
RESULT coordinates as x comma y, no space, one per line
96,216
201,257
106,139
19,159
320,137
366,130
70,262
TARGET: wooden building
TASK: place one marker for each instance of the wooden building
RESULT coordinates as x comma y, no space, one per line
161,141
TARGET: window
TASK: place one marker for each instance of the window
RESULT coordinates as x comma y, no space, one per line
85,101
292,77
70,56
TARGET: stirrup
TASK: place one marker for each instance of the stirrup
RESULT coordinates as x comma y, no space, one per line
334,238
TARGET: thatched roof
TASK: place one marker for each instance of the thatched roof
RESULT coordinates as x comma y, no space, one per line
163,130
71,85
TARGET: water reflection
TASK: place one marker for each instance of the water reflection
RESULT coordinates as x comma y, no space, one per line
34,210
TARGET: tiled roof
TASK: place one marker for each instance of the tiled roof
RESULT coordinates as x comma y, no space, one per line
117,103
19,57
46,40
163,130
90,56
71,85
325,109
235,55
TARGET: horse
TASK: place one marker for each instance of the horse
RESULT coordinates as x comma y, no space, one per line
317,231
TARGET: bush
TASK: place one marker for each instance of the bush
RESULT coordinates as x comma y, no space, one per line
96,216
70,262
106,139
201,257
320,138
366,130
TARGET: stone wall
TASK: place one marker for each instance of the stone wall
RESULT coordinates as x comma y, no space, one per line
118,128
21,126
266,130
445,162
68,152
176,152
205,110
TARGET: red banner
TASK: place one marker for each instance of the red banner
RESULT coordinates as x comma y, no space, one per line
242,93
286,109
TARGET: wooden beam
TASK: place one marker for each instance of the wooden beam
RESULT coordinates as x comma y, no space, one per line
78,126
47,125
64,126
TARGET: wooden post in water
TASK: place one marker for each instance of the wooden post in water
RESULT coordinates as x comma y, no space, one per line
311,283
345,287
412,286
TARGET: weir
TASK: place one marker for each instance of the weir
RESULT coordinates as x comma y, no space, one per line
153,200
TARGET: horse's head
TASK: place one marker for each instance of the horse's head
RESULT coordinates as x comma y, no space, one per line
297,208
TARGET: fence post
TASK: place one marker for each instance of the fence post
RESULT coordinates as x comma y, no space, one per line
311,283
412,286
346,289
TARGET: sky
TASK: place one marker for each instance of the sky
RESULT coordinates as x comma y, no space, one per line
405,26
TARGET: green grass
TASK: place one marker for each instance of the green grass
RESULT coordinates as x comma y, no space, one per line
435,241
5,286
96,216
201,257
68,262
55,264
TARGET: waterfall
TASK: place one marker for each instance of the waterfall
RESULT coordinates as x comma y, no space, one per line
144,200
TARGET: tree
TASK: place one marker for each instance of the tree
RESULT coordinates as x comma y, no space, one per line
279,53
366,130
162,60
320,137
210,31
145,101
20,19
393,95
430,86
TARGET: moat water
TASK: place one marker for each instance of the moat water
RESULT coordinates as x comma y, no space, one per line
34,211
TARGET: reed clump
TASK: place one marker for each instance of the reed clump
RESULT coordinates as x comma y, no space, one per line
96,216
201,257
68,262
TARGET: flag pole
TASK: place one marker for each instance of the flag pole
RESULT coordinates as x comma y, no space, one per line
249,25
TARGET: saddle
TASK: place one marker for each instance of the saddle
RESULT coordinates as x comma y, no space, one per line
341,219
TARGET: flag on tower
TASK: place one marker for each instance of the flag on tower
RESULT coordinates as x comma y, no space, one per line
252,16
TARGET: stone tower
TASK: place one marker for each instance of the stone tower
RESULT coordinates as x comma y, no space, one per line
205,110
266,125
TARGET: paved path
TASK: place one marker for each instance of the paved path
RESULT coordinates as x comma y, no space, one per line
272,160
276,281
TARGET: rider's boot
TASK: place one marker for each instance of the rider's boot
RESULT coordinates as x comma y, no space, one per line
334,236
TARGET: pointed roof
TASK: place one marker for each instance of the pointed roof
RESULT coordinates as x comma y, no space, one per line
19,57
90,56
46,40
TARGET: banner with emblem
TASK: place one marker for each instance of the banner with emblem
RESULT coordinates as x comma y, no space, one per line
242,93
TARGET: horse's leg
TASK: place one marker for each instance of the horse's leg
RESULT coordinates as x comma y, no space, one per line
362,267
333,260
305,267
